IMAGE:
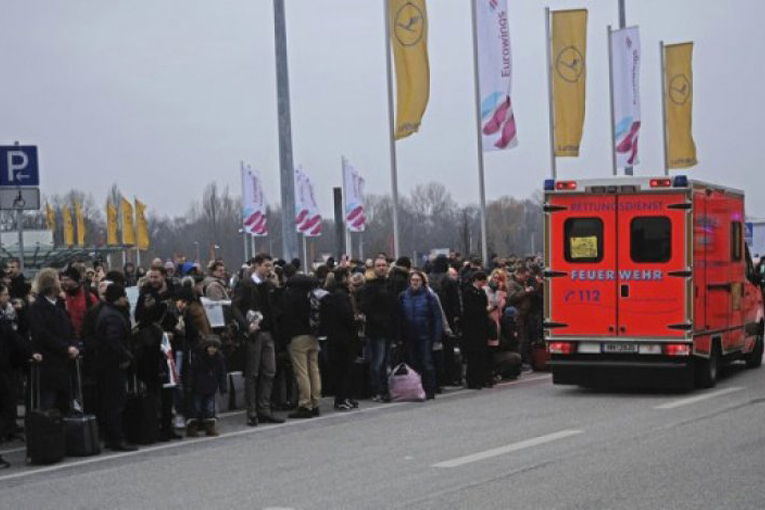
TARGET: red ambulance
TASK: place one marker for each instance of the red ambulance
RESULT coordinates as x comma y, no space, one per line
648,280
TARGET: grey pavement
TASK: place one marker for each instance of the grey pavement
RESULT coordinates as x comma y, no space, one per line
526,444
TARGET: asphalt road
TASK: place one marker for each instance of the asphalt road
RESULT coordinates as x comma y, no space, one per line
525,444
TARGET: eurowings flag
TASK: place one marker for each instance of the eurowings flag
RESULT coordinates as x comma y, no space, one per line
353,196
308,221
625,72
494,75
254,211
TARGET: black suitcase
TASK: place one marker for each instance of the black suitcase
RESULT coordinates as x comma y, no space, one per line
45,438
81,429
360,385
139,419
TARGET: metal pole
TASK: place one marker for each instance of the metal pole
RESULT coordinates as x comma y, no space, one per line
289,238
137,256
622,14
253,246
305,251
244,242
479,147
392,129
361,246
664,108
548,39
348,238
20,229
611,96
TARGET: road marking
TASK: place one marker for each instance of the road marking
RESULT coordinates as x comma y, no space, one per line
692,400
514,447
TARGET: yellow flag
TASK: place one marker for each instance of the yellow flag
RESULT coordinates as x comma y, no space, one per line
80,224
111,225
50,218
409,38
68,226
678,105
128,230
569,70
142,228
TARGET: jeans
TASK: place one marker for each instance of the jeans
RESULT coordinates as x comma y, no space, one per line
260,368
377,352
204,406
304,353
420,354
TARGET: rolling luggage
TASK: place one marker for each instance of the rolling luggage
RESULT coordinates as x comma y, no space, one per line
46,441
140,421
236,389
81,429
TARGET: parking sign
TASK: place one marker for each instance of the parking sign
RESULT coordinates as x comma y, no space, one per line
18,165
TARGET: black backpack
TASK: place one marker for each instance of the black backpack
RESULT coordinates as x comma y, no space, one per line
317,312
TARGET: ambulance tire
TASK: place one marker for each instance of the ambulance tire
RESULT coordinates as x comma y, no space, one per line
754,358
706,368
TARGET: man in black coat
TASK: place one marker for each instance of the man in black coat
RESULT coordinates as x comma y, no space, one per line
449,294
113,357
475,331
256,293
53,338
378,304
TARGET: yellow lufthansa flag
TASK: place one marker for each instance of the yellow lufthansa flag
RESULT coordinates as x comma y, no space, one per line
678,105
142,228
50,218
111,225
128,230
80,224
68,226
569,70
409,37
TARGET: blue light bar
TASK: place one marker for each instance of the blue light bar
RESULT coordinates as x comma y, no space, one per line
549,184
681,181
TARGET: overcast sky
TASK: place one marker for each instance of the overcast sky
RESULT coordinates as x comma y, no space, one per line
163,96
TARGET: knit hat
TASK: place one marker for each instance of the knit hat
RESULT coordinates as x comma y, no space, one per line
114,292
185,294
71,272
211,341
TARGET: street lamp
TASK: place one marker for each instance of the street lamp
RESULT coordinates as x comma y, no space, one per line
196,245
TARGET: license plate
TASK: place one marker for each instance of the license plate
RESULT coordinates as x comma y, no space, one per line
620,348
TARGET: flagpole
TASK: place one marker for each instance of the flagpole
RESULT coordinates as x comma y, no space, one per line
611,95
663,107
392,128
361,246
254,246
479,147
348,239
628,170
548,39
305,252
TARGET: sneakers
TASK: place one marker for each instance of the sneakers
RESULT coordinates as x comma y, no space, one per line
269,418
342,406
122,447
315,411
301,413
352,403
179,422
377,398
252,421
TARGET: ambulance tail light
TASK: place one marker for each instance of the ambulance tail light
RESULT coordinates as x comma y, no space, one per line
565,185
677,349
661,183
560,347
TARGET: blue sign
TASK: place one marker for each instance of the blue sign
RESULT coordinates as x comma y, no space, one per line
18,166
749,233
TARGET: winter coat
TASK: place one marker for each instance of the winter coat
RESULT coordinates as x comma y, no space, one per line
151,362
208,373
113,338
475,321
215,289
378,304
519,298
296,306
260,298
52,336
420,316
197,325
448,292
398,280
342,324
147,314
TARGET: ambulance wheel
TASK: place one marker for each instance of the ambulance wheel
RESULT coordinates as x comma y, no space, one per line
706,369
754,358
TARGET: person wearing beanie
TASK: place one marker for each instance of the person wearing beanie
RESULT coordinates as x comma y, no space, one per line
113,357
78,298
208,377
193,327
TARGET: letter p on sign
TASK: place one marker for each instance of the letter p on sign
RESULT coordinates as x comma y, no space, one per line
18,166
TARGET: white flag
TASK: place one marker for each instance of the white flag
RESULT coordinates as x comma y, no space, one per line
494,75
253,204
353,191
308,220
625,69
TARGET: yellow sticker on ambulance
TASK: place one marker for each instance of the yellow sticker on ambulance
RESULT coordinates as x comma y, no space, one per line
584,247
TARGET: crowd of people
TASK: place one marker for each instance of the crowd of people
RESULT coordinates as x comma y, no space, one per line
337,328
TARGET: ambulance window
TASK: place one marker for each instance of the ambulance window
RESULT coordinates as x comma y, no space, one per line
735,239
584,239
651,239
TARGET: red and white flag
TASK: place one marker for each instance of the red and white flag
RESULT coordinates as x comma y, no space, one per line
308,220
625,69
353,191
254,211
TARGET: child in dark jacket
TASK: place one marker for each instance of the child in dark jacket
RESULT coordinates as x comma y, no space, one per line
207,378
